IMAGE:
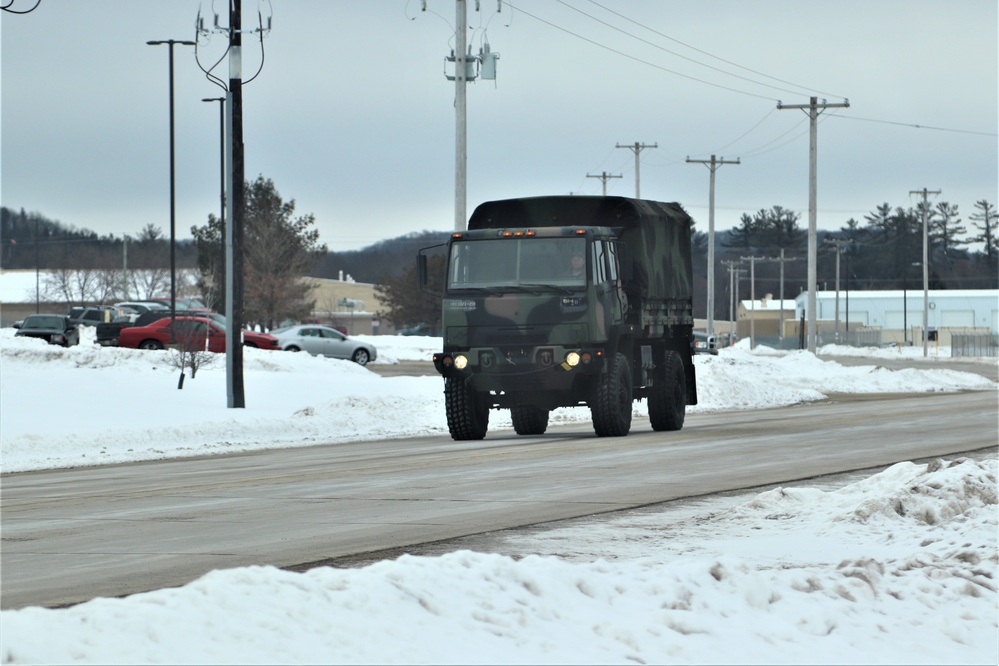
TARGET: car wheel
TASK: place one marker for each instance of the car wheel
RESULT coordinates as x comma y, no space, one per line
361,357
151,344
292,348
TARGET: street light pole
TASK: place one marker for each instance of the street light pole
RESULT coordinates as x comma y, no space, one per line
173,198
221,101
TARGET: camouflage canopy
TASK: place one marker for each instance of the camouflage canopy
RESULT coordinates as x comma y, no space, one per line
657,234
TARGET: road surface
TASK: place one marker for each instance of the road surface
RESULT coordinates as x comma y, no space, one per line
71,535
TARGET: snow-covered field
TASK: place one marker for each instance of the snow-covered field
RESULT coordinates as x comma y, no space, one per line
900,567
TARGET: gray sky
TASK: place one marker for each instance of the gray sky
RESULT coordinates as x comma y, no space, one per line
351,115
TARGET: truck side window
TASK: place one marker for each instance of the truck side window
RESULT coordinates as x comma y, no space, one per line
599,263
612,262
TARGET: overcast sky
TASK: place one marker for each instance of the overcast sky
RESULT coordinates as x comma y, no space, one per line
351,115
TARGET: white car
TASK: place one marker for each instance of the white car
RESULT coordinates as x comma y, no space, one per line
324,341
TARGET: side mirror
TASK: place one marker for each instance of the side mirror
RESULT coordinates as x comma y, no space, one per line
17,324
421,270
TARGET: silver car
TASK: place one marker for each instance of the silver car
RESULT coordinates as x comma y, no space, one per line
324,341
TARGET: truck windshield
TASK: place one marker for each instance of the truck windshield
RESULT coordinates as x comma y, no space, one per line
499,263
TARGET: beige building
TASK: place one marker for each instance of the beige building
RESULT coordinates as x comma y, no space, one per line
352,306
763,317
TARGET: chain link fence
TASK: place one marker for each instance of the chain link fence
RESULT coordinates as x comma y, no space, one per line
978,344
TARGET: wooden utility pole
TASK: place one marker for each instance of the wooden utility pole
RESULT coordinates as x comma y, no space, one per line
926,267
814,108
733,299
604,176
752,297
782,260
839,243
713,165
637,148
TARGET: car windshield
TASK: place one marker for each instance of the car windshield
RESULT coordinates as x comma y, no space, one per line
526,263
44,321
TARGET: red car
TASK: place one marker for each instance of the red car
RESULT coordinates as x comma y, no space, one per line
190,333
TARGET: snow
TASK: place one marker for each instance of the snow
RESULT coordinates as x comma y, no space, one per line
898,567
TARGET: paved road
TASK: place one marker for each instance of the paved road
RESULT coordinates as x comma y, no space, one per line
982,367
70,535
976,366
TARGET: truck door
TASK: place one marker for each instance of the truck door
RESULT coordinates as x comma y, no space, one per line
606,280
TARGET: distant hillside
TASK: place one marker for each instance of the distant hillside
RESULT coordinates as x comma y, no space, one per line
387,257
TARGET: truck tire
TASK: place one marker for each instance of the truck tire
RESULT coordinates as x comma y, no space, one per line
529,420
467,415
668,396
610,408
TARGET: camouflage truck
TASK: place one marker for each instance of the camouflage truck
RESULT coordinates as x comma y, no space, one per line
563,301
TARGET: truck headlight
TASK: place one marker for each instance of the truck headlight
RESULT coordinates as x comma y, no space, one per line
572,358
461,361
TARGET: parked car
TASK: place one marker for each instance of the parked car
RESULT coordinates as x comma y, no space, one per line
107,334
54,329
182,304
189,332
704,343
324,341
142,306
91,315
419,329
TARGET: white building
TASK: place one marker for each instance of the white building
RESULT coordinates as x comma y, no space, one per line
902,311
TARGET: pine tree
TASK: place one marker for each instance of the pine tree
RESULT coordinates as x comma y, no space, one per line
987,217
278,251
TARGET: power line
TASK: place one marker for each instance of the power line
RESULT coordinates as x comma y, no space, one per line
928,127
710,55
636,59
678,55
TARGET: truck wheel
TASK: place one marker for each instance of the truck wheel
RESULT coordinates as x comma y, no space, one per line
610,408
668,397
467,415
529,420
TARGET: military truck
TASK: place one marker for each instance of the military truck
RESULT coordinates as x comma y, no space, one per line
567,301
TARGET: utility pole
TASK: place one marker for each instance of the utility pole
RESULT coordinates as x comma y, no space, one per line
604,176
814,108
637,148
752,297
460,114
713,166
234,229
780,324
926,267
839,243
732,270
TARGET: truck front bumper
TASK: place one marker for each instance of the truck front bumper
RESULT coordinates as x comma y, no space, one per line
540,368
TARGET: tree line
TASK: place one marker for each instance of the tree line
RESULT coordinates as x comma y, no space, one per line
883,251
